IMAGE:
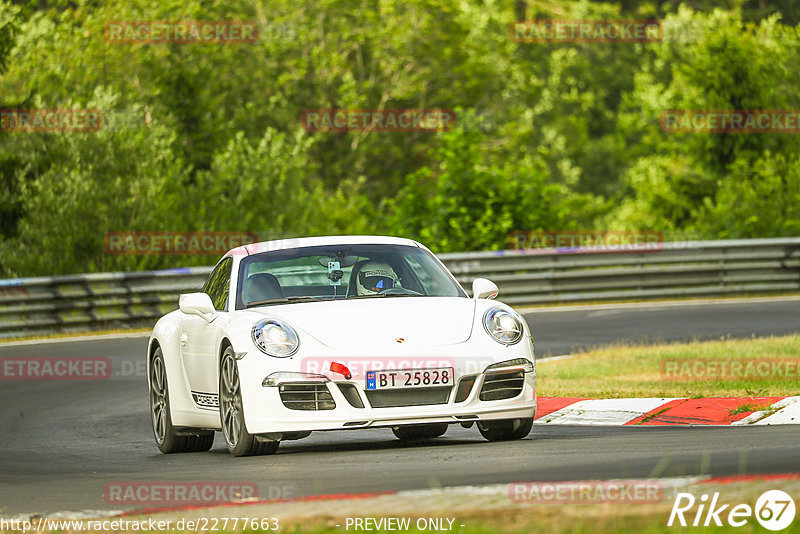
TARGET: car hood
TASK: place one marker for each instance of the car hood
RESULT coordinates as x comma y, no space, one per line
380,322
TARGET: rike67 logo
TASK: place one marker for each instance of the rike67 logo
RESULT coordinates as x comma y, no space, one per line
774,510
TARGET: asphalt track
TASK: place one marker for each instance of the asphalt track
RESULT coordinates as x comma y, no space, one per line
63,441
563,332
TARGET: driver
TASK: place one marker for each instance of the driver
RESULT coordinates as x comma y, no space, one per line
374,277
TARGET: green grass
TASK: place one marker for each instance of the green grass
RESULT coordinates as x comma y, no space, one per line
749,407
636,371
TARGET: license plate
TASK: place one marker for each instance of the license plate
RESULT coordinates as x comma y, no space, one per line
410,378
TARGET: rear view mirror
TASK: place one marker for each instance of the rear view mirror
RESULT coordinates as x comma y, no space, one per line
484,289
197,304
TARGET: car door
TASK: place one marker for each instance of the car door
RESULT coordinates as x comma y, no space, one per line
198,339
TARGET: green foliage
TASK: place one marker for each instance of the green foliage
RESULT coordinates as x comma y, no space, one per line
77,187
462,202
10,205
712,185
565,100
267,186
550,136
756,199
10,16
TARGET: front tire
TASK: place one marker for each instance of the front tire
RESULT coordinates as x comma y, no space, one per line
239,441
168,439
506,429
419,432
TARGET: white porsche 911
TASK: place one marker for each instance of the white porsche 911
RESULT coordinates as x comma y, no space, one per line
335,333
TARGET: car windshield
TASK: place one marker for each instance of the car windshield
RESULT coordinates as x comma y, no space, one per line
341,272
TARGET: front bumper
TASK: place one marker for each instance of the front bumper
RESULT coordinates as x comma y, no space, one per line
267,414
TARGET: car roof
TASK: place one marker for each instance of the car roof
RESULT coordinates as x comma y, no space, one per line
299,242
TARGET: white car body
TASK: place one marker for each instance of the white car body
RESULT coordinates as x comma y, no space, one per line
394,331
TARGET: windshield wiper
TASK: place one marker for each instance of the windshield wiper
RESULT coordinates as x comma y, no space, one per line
385,295
281,300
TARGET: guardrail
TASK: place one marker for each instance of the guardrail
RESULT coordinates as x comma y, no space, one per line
33,306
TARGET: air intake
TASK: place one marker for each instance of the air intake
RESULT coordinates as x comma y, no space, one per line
350,393
464,387
499,385
307,396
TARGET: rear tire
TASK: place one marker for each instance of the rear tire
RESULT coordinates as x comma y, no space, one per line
419,432
506,429
239,441
168,439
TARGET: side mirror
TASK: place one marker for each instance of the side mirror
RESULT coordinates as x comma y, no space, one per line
484,289
197,304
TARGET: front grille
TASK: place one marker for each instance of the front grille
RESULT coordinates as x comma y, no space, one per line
502,385
390,398
307,396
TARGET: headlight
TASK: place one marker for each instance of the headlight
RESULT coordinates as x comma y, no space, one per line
504,325
275,338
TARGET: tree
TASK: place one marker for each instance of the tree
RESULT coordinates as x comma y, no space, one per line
695,182
461,202
78,186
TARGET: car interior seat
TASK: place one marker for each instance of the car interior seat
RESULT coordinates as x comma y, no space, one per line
262,286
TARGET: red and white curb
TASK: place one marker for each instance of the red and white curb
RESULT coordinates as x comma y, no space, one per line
669,411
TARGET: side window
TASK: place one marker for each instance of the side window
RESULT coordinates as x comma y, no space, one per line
219,283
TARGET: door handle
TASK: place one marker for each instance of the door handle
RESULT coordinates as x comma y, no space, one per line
184,338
